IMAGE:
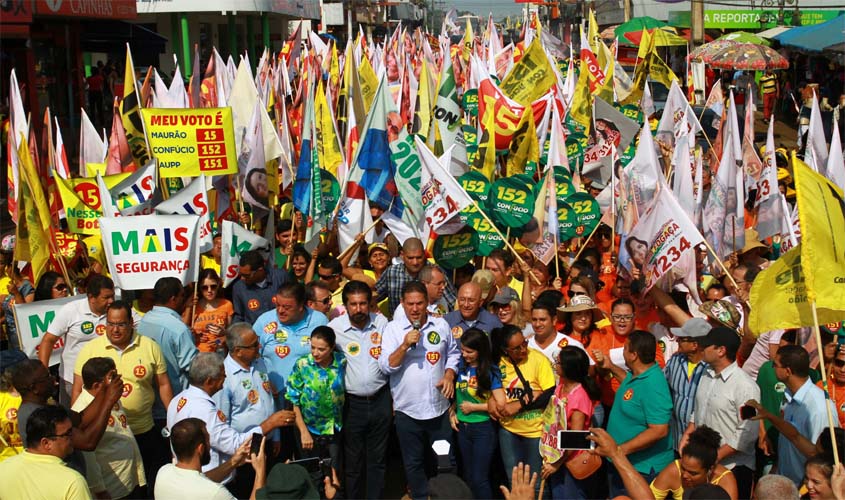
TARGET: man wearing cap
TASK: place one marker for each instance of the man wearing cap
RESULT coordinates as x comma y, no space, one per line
485,279
722,390
470,314
392,281
683,372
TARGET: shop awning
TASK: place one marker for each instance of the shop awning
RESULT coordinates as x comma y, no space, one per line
103,36
774,32
817,37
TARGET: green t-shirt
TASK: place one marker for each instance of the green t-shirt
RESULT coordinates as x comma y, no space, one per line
771,397
642,401
281,259
465,390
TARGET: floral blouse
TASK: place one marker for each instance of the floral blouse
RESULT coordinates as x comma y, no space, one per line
319,393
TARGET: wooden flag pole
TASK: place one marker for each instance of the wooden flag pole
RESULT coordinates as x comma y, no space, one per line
365,231
831,426
721,264
584,245
507,243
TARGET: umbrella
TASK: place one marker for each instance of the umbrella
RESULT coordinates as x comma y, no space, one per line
638,24
745,37
817,37
662,38
705,52
748,56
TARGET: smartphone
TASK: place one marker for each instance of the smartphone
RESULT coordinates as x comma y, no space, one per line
255,446
746,412
574,440
312,465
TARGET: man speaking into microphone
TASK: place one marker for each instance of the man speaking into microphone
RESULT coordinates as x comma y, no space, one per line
420,357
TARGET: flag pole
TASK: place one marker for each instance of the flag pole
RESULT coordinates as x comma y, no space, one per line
365,231
822,369
721,264
507,243
584,245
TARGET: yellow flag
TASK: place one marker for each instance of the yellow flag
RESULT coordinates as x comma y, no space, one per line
369,82
660,71
646,45
822,220
469,37
531,77
130,115
582,100
33,230
422,111
485,161
595,40
81,199
525,149
334,68
326,142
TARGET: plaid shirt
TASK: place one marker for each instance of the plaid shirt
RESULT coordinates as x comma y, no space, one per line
394,278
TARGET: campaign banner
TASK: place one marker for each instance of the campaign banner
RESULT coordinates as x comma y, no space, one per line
193,200
81,199
190,142
142,249
32,321
234,242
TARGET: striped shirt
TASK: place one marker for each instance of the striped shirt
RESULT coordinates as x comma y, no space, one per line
769,83
682,386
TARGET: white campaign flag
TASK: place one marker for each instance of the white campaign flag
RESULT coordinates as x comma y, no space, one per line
769,207
92,147
234,242
192,200
140,250
835,168
32,321
644,172
664,236
107,205
678,116
138,194
682,183
816,143
443,198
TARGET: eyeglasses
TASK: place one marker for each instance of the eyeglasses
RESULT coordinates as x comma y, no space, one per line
325,302
209,287
573,293
839,363
67,435
521,347
61,287
327,277
117,325
622,317
251,346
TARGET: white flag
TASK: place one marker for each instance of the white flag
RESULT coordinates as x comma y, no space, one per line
138,194
443,198
678,116
769,207
816,140
835,168
682,183
234,242
662,237
644,172
32,322
192,200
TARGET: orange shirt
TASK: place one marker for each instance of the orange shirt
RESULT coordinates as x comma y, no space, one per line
837,394
605,340
222,315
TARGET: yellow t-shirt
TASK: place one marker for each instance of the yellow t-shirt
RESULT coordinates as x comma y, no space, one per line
139,364
41,476
537,371
10,438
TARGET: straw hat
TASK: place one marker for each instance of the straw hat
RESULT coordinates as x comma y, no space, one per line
583,303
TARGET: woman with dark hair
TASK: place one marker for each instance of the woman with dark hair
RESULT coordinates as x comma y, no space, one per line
528,380
570,409
212,314
51,285
315,388
696,466
818,472
477,381
300,260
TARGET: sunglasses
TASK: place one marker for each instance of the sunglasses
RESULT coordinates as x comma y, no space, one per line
61,287
839,363
326,277
326,301
209,287
572,293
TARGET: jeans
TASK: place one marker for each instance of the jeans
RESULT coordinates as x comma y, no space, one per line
617,488
415,440
478,443
563,485
366,428
515,449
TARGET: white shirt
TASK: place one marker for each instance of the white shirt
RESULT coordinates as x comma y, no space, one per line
760,353
173,483
717,404
668,343
552,351
225,441
362,348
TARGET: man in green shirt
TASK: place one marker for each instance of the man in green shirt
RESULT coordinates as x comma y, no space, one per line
639,418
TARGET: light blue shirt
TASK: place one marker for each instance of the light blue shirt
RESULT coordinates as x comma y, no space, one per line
282,345
166,327
412,383
247,397
362,348
805,410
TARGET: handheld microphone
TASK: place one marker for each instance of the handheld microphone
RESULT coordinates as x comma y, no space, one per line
416,325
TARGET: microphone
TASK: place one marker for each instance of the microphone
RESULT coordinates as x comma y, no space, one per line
416,325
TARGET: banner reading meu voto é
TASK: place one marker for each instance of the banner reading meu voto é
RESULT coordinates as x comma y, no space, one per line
142,249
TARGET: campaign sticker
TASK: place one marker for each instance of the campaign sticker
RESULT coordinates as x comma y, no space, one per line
628,394
375,352
139,371
282,351
252,304
180,404
433,357
353,349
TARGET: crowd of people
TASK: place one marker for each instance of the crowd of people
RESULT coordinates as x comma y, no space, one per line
169,392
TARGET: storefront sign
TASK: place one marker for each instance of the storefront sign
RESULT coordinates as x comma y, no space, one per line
751,19
101,9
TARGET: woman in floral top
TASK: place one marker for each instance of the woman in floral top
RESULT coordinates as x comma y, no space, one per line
315,388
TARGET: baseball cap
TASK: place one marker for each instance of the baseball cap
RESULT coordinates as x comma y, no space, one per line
288,481
484,279
694,328
504,296
377,246
721,336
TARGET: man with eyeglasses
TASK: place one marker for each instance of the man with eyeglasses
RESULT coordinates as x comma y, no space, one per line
40,472
253,291
330,272
318,296
141,362
470,314
247,397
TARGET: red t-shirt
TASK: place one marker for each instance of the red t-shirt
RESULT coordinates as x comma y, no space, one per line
95,83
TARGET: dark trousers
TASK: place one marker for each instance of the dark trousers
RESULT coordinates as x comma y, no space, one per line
155,452
477,442
617,488
415,440
744,481
366,427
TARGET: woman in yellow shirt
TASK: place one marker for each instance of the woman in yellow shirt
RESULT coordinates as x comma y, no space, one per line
697,466
10,439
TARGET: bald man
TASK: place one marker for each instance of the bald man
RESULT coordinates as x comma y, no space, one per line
470,314
397,275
